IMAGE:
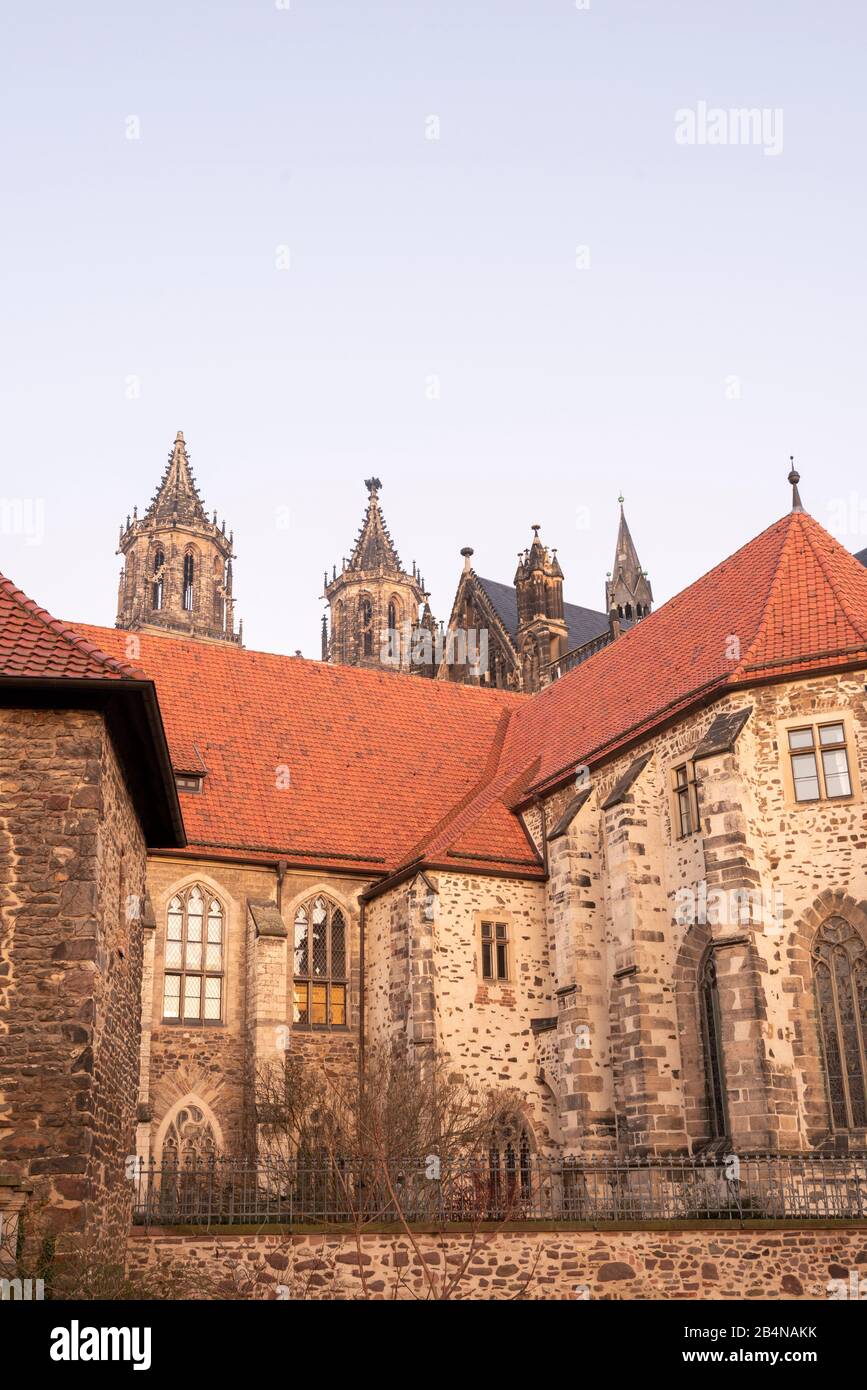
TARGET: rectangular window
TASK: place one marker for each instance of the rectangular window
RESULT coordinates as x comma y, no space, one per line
188,782
495,951
820,762
685,801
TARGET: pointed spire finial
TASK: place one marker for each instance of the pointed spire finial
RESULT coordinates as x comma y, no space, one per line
621,499
794,479
373,485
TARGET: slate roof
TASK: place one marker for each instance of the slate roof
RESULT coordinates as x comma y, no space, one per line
583,623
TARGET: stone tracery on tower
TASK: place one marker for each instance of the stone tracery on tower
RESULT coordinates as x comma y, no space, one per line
378,610
177,574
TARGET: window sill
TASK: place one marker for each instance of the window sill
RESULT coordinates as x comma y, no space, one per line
191,1023
321,1028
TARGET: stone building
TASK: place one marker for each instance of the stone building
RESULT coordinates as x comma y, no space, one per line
86,791
517,636
637,898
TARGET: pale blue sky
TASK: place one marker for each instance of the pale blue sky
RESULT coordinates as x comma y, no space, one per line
410,258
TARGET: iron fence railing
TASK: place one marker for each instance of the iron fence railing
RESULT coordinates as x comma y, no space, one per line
529,1187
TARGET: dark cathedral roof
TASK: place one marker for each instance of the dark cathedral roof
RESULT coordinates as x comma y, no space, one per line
583,623
862,556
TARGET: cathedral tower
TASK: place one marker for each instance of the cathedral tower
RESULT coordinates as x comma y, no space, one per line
374,604
543,635
177,572
628,595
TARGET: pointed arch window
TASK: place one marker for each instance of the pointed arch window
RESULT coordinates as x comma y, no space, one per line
510,1173
189,572
711,1032
365,609
321,965
840,978
189,1138
157,584
193,982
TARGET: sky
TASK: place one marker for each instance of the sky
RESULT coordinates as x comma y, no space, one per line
513,258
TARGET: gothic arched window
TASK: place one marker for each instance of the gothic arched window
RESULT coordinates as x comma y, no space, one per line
219,590
193,985
840,976
365,610
321,965
189,1138
510,1173
392,616
189,570
157,585
711,1033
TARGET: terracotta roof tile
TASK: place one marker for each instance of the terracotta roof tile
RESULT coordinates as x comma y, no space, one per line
351,768
318,763
35,645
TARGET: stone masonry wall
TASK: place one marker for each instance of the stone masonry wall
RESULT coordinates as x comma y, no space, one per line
72,874
613,913
425,985
700,1264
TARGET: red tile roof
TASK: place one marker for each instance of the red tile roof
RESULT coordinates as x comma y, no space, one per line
33,644
382,771
320,764
790,601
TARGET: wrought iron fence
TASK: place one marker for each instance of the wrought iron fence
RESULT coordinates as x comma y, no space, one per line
434,1191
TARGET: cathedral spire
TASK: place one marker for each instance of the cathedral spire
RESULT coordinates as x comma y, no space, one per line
177,495
374,548
627,592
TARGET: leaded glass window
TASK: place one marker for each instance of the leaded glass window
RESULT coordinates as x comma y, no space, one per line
321,965
840,975
193,982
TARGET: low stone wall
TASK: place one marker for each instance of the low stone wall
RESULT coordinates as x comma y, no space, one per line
705,1263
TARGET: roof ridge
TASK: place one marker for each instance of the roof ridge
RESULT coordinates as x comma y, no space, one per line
67,633
513,698
652,619
776,581
821,561
487,775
